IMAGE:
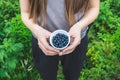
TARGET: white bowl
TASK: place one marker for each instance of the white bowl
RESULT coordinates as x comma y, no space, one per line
61,32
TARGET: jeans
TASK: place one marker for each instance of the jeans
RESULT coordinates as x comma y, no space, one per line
72,63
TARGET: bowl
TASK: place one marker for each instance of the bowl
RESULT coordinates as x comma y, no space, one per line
59,39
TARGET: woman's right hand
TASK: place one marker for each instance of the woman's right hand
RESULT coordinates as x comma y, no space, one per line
43,42
40,33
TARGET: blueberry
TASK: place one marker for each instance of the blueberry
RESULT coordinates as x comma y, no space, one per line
60,40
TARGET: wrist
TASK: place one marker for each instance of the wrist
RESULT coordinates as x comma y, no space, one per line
79,26
36,29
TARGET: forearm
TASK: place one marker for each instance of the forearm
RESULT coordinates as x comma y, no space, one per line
89,16
33,27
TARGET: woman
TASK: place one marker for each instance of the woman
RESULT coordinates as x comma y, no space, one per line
42,17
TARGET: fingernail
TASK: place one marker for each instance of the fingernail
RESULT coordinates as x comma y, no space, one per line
60,54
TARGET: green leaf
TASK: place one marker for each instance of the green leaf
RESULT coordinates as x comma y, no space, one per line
11,63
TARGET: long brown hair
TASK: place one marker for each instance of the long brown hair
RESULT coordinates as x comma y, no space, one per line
38,8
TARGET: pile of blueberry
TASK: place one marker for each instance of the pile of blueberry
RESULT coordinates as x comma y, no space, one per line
60,40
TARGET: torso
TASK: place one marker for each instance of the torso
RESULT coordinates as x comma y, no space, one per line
56,17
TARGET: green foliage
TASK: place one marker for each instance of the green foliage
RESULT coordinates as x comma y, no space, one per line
8,9
12,47
15,44
103,56
115,6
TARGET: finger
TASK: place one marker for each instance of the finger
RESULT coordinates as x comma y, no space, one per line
47,46
71,40
73,45
60,54
67,52
46,52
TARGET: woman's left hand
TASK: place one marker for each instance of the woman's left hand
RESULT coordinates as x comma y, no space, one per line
75,35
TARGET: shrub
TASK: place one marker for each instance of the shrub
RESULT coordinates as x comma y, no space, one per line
103,57
8,9
14,51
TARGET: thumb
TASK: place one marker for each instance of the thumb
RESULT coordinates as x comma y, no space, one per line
48,34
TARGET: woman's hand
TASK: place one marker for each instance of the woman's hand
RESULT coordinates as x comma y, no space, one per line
90,15
43,42
75,34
